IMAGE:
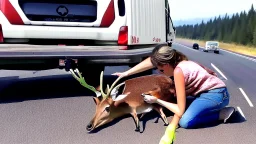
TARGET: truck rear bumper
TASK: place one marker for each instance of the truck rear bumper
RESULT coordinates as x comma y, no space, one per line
93,54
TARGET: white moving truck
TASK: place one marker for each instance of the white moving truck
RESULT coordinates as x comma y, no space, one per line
43,34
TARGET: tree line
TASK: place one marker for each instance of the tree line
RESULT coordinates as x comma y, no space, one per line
240,28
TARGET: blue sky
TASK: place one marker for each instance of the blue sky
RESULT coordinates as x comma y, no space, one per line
191,9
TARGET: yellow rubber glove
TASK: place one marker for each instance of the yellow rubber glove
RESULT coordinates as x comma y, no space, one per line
169,135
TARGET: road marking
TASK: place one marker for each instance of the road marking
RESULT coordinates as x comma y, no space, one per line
246,97
218,71
241,112
252,59
188,47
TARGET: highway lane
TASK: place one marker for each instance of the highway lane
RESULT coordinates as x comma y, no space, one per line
59,110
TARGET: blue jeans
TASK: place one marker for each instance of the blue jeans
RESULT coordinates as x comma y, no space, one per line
205,108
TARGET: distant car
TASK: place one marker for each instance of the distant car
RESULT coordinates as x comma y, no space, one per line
195,46
211,46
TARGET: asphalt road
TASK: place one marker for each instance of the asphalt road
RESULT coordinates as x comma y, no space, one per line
58,109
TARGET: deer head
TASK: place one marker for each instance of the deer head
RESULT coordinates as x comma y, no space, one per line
104,100
106,105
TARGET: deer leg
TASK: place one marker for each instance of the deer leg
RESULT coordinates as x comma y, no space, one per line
163,116
136,120
142,115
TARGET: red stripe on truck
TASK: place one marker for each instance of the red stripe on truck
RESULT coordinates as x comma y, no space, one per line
109,15
1,34
10,13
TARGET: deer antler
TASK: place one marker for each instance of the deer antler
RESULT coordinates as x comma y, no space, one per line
101,86
114,91
112,86
80,78
108,89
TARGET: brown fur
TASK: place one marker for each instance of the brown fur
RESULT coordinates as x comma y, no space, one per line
159,86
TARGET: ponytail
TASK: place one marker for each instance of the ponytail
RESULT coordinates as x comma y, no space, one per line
178,58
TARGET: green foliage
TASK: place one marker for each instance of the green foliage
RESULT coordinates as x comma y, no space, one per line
240,28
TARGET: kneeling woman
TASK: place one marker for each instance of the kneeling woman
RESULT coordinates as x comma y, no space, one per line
191,79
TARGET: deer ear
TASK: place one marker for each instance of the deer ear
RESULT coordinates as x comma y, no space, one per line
172,91
120,99
96,100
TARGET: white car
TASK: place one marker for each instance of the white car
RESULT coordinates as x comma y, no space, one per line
211,46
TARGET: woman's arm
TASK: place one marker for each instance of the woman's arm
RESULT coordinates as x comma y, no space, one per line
142,66
170,106
179,81
179,108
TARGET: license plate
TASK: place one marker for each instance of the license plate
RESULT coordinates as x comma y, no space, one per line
61,12
62,62
61,19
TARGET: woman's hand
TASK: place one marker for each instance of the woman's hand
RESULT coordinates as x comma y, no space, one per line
150,99
122,74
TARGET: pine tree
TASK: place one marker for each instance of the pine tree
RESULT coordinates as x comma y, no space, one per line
254,37
235,31
239,28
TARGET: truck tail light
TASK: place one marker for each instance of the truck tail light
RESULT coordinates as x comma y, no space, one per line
123,36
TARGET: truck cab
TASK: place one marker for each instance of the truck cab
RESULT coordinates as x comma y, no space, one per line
170,29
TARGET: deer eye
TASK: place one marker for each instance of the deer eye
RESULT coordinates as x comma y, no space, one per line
107,109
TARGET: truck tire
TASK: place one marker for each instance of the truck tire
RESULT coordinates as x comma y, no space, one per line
217,52
169,44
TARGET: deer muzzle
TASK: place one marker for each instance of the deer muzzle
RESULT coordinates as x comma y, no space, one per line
89,127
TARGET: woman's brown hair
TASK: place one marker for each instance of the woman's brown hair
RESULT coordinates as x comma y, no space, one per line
163,54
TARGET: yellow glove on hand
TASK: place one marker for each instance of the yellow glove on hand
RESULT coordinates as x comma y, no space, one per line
169,135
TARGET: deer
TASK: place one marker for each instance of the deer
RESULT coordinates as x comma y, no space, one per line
110,105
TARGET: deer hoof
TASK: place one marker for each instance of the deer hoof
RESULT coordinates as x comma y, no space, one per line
166,124
137,129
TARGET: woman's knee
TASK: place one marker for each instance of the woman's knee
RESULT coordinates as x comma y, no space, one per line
186,123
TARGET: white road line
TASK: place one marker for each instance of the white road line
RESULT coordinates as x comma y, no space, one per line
246,97
252,59
241,112
188,47
218,71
